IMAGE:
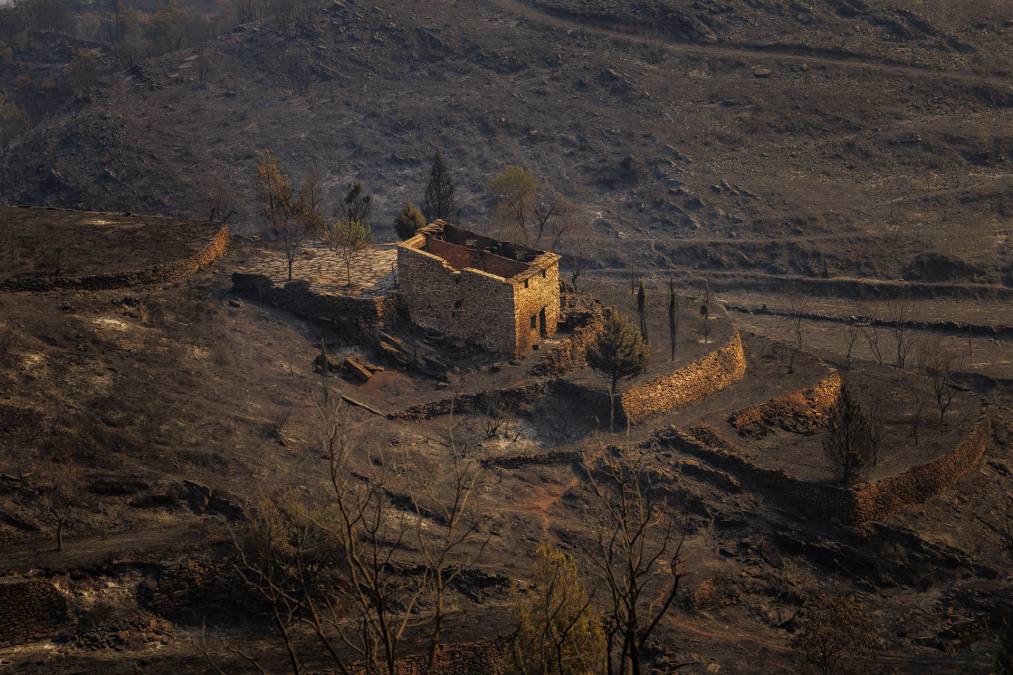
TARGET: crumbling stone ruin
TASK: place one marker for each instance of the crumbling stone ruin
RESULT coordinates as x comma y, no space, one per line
501,296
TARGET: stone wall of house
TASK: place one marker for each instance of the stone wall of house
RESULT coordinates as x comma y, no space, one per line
501,314
699,379
536,292
31,609
172,272
353,318
467,304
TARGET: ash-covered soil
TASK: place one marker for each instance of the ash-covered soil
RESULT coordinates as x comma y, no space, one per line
853,150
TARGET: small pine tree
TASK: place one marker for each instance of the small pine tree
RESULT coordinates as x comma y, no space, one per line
617,353
558,631
849,444
438,203
409,221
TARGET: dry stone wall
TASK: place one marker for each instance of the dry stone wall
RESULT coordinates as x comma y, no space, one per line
699,379
802,411
922,482
30,610
857,505
354,318
173,272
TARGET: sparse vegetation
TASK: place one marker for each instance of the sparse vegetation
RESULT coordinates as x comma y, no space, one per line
637,554
282,211
559,630
409,221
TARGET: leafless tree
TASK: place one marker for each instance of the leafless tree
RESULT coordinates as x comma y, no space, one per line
873,338
797,308
61,495
343,570
851,334
904,337
637,553
938,362
917,417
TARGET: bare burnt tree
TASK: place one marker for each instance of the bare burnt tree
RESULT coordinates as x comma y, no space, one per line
61,495
873,338
445,550
797,308
833,629
939,363
344,571
903,334
851,334
438,202
637,553
917,419
673,317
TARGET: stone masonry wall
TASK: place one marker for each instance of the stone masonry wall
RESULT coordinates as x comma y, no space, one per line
538,291
922,482
31,610
173,272
500,314
354,318
854,506
467,303
699,379
802,411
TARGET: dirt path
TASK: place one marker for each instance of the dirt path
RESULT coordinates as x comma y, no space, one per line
620,31
100,549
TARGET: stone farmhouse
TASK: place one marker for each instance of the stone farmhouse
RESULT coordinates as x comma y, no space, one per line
502,296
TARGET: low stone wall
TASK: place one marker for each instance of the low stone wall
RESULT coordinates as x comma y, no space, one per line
922,482
571,352
31,610
802,411
857,505
482,403
173,272
353,318
699,379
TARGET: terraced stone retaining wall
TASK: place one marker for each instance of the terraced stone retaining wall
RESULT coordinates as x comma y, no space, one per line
802,411
922,482
703,377
30,610
859,504
172,272
354,318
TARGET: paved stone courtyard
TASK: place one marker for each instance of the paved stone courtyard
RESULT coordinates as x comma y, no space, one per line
373,270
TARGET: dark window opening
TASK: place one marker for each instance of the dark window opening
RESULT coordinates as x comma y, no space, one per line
545,275
525,283
534,321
